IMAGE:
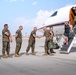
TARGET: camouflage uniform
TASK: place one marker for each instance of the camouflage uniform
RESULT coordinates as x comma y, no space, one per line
5,42
31,42
18,41
47,36
51,44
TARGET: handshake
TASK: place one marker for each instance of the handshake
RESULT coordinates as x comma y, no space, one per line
39,37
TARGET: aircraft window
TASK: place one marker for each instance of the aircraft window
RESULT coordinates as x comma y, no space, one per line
54,14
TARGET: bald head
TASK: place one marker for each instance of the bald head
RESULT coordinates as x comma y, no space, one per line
20,27
35,29
51,28
44,28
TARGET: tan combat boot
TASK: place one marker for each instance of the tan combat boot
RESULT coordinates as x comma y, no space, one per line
33,53
19,54
51,54
4,56
9,56
26,53
45,54
16,55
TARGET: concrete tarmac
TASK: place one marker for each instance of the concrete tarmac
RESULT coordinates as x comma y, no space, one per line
58,64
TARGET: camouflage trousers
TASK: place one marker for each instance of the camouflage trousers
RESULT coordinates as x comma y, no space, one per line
47,48
6,47
31,45
18,47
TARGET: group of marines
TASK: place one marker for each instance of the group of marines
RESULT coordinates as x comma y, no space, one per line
7,38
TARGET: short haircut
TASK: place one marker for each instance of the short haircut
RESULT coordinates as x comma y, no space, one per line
44,27
35,27
20,26
5,25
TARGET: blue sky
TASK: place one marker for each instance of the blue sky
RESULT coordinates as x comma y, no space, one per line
28,13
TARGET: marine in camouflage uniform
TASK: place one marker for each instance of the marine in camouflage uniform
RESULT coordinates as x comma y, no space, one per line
51,40
51,44
18,38
6,38
47,36
31,41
